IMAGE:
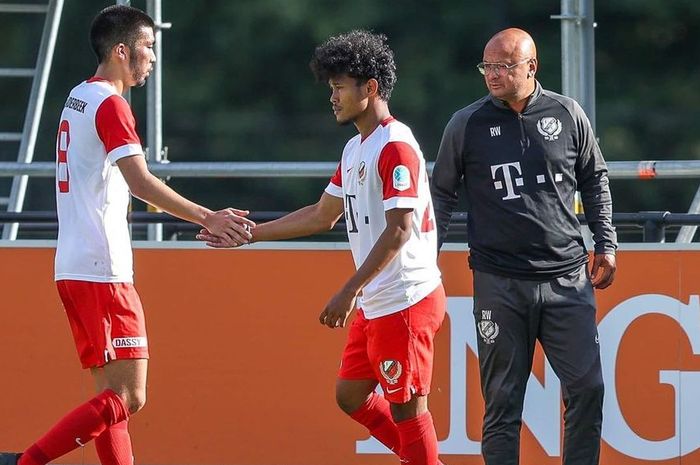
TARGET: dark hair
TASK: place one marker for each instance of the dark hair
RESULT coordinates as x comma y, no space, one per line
117,24
359,54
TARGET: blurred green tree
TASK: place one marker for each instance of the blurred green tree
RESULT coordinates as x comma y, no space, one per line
237,86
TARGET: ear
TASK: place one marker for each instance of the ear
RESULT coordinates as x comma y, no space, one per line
121,51
533,68
372,87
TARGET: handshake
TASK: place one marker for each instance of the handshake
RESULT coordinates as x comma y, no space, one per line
226,228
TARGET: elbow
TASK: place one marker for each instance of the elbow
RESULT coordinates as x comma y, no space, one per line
323,218
405,236
330,224
139,188
401,236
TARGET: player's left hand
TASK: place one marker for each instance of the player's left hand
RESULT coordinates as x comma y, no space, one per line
603,270
338,310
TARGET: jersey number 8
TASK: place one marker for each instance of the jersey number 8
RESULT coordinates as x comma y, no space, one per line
62,143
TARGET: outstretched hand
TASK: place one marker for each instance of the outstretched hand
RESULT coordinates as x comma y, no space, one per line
227,228
603,270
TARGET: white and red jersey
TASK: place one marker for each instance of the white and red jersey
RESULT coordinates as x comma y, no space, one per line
97,128
383,172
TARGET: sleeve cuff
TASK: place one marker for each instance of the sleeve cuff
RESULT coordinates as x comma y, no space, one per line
605,249
335,191
400,202
124,151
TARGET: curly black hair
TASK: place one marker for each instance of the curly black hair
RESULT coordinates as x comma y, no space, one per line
359,54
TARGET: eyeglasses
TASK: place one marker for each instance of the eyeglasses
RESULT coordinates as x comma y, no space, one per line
499,68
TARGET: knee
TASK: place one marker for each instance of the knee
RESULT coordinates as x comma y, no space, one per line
589,391
505,399
351,395
135,400
594,390
348,401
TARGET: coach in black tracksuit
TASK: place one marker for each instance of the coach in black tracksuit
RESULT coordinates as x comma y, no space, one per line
521,153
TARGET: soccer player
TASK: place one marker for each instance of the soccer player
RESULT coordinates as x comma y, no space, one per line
100,160
520,153
381,186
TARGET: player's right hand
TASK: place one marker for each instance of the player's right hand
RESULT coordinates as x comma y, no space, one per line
212,240
338,309
603,270
228,228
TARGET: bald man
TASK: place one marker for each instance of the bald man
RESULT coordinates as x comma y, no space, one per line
521,153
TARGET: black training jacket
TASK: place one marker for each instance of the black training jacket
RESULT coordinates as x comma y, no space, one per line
520,172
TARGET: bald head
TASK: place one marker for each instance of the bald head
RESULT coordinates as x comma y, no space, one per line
511,64
514,43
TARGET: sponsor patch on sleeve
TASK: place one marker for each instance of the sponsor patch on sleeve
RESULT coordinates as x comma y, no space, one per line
402,178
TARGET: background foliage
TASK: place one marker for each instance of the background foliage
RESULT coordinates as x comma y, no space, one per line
237,85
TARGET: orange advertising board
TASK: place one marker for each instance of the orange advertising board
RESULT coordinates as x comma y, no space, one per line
241,372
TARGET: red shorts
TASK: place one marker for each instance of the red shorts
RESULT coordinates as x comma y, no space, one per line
106,319
396,349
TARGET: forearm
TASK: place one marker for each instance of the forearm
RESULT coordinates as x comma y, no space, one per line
444,203
303,222
385,250
597,206
153,191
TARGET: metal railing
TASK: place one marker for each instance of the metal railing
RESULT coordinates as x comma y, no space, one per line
646,169
653,224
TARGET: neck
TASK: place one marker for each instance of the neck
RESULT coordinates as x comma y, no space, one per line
376,112
518,104
109,73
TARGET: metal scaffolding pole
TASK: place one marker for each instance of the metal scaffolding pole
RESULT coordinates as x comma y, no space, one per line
578,53
154,104
687,232
127,91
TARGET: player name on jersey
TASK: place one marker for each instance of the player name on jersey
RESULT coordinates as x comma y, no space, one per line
75,104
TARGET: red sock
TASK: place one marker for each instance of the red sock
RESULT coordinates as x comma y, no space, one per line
376,417
114,445
77,428
418,440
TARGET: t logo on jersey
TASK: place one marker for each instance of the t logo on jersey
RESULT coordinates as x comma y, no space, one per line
510,182
402,178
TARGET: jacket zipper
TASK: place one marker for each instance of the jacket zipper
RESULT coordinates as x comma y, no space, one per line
524,141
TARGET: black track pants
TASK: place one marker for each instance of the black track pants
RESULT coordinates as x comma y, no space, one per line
510,315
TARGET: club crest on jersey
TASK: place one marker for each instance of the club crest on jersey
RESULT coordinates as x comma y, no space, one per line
488,330
549,127
362,173
390,370
402,178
